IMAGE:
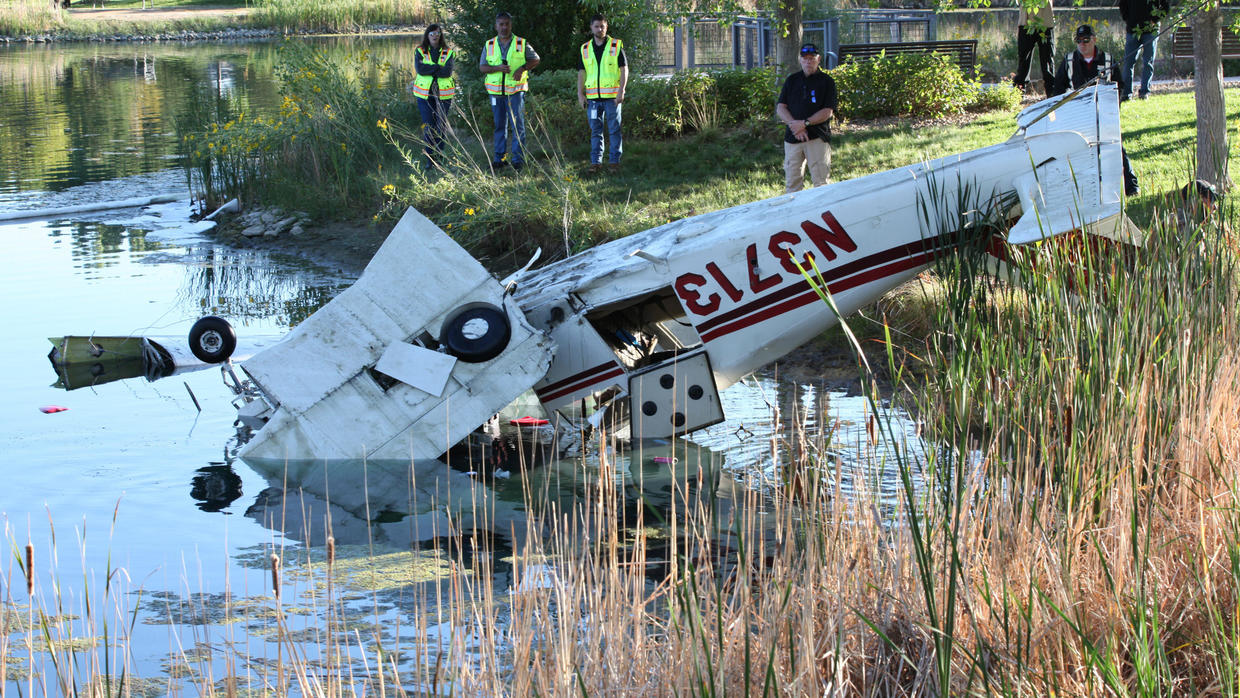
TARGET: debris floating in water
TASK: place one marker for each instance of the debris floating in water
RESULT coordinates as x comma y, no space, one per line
528,422
52,409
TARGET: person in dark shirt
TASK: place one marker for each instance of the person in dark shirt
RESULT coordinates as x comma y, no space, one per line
805,106
1084,64
602,76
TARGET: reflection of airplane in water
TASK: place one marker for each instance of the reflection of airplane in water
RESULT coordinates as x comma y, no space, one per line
424,505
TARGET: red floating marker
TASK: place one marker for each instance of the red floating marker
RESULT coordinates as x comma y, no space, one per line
52,409
528,422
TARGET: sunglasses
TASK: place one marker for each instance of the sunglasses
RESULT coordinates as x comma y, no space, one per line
1085,40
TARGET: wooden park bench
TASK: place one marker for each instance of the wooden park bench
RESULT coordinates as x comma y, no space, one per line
1182,45
963,52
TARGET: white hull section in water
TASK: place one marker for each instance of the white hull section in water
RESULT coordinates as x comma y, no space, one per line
656,323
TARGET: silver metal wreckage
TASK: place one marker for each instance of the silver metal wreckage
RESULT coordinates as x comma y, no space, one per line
427,345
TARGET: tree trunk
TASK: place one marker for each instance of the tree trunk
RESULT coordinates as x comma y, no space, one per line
1208,79
788,36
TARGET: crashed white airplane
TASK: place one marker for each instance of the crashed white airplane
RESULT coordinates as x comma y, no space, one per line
427,345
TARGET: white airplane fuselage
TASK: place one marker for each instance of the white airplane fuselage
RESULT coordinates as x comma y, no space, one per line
662,319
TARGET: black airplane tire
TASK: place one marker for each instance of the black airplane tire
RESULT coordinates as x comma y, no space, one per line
477,334
212,339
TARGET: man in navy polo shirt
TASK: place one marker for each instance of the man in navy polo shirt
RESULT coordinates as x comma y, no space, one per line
805,105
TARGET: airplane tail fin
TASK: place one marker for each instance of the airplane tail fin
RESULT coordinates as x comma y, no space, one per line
1075,184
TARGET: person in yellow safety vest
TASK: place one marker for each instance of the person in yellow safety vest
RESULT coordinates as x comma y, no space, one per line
601,79
506,61
434,89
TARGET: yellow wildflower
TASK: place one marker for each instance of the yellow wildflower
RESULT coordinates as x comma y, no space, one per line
469,212
383,124
389,189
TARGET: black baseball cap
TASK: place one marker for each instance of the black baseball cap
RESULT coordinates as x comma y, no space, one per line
808,48
1084,32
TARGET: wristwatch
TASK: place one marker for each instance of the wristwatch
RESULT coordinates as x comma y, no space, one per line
807,124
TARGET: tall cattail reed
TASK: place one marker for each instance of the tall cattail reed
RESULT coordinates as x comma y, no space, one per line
29,569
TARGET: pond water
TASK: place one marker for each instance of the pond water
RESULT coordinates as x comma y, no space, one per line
129,488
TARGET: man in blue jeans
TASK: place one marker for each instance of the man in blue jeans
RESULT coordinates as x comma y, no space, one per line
1141,19
601,79
506,61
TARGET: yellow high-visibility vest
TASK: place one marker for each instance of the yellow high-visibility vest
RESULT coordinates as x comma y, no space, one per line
602,77
504,83
422,83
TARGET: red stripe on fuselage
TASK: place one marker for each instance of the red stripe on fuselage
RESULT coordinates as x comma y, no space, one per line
579,381
832,274
801,293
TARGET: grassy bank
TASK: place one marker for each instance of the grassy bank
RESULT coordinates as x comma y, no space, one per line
347,143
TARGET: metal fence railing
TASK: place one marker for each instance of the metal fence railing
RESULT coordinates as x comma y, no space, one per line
704,42
888,26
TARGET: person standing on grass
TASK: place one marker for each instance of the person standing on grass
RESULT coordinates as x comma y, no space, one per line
1035,31
434,89
601,80
506,61
1141,19
805,106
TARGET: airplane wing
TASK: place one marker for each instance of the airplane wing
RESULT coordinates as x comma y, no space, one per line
422,349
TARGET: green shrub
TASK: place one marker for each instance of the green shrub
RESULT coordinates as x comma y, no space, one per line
699,102
745,95
919,85
1002,96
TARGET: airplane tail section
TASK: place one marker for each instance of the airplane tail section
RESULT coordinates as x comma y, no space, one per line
1076,184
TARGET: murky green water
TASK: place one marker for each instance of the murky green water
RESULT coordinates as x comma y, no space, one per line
126,496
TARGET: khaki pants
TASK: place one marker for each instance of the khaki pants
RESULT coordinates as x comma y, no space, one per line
814,151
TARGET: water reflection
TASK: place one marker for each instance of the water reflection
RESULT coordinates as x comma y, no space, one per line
95,246
419,505
77,113
245,284
215,487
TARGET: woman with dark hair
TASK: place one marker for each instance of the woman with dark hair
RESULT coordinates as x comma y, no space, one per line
434,88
